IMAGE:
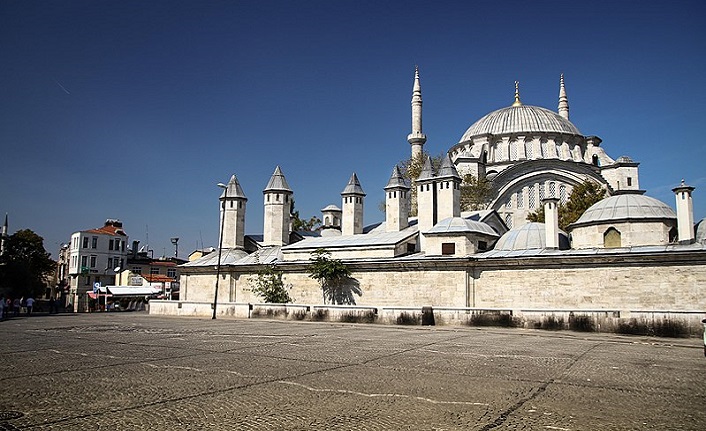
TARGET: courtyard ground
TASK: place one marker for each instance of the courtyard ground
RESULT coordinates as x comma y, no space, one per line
127,371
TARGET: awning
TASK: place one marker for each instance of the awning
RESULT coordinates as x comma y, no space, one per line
95,295
133,290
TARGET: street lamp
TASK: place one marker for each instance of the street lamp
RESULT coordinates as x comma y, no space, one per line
220,245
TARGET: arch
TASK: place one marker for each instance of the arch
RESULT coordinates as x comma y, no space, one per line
594,160
673,235
612,238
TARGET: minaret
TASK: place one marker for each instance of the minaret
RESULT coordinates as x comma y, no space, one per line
233,202
417,139
563,100
352,197
448,193
278,205
396,202
517,94
685,213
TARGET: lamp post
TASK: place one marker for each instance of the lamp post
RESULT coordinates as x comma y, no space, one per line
220,245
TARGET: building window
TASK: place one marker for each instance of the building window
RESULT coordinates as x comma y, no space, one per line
531,197
84,261
562,193
93,261
136,270
541,191
528,150
520,203
94,242
552,189
110,244
154,270
448,248
508,220
171,272
629,181
508,203
513,150
611,238
85,242
110,263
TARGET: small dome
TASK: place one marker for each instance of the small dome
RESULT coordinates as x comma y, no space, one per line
520,119
624,159
462,225
626,207
528,237
332,208
701,231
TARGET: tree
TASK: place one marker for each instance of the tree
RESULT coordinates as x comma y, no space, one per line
25,265
268,285
307,225
581,198
331,274
475,193
411,168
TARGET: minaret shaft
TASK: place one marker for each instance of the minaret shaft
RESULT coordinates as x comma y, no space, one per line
563,99
417,138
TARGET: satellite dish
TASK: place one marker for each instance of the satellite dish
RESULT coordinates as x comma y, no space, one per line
117,269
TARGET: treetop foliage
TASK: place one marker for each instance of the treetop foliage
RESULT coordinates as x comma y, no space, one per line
25,265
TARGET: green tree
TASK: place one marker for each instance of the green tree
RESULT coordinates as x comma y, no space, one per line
581,198
476,193
269,285
25,265
298,224
331,274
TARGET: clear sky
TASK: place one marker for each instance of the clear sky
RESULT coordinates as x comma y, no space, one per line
136,109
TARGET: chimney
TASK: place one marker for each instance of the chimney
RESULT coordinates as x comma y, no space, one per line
551,222
685,213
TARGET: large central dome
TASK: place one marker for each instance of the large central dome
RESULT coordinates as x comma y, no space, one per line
520,119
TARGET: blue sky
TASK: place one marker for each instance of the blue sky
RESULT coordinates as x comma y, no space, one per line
135,110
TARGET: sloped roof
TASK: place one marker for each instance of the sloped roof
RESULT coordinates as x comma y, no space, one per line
353,187
277,182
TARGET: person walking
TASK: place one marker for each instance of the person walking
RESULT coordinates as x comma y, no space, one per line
16,304
2,307
30,304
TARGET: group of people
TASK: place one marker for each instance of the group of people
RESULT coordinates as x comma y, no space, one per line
7,305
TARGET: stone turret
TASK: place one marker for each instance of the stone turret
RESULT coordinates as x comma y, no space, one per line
278,205
448,191
551,222
352,197
426,198
685,213
233,202
417,138
396,202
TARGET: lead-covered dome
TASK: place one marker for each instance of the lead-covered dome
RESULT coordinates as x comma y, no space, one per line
626,207
521,119
529,236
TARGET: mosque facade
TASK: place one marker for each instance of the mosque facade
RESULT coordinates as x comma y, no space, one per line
627,252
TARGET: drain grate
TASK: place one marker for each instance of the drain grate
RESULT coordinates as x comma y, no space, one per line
10,414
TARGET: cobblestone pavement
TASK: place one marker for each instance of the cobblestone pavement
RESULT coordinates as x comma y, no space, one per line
126,371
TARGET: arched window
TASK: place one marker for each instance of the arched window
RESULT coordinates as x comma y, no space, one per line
508,220
513,150
562,194
611,238
528,150
530,196
594,160
520,203
673,235
484,159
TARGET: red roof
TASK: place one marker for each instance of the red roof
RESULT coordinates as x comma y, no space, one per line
157,278
108,230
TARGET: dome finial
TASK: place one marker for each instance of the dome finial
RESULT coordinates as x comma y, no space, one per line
517,94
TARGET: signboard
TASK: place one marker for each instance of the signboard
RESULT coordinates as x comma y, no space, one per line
96,286
136,281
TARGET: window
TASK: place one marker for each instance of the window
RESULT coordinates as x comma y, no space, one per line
508,220
136,270
84,261
530,196
448,248
552,189
520,203
93,261
629,181
562,193
85,242
94,242
508,203
110,244
171,272
110,263
541,191
528,150
513,150
154,270
611,238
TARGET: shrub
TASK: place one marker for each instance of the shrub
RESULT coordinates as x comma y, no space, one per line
353,317
581,323
408,319
319,315
492,319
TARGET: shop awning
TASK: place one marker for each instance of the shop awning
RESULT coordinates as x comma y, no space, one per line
133,290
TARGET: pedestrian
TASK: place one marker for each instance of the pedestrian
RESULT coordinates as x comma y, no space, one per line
51,305
30,304
16,304
2,307
57,304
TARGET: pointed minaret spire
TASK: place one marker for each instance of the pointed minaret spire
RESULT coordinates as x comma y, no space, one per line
417,138
563,100
517,94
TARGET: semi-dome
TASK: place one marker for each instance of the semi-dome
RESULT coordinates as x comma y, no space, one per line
626,207
521,119
529,236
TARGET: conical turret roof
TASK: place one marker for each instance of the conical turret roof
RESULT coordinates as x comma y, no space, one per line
277,182
353,187
427,173
397,180
448,169
233,189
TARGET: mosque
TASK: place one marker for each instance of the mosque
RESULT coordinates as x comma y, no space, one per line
628,253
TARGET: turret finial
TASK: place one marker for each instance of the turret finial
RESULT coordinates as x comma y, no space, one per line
517,94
